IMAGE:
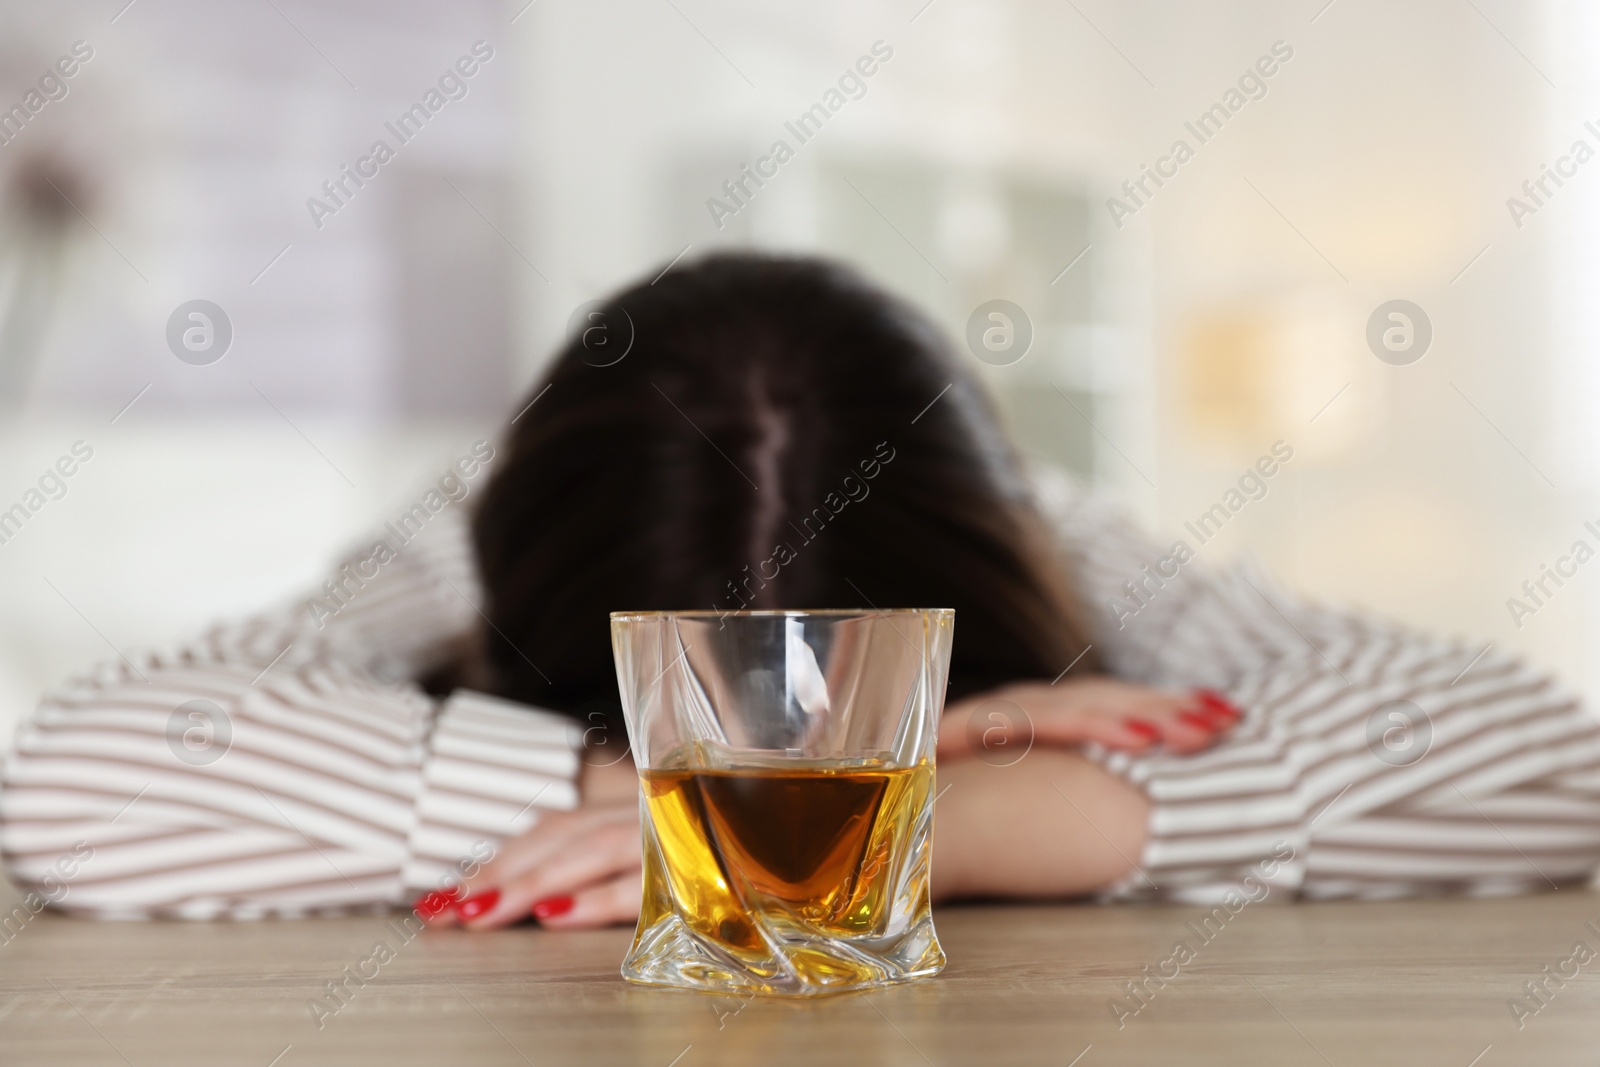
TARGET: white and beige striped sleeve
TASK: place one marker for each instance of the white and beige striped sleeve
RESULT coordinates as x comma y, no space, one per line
285,765
1372,760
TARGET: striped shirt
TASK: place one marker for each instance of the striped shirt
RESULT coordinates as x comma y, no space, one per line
286,765
1371,761
289,764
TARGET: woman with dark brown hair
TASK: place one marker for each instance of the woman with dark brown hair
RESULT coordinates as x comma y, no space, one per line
750,432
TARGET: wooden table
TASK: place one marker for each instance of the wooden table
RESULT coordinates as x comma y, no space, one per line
1416,982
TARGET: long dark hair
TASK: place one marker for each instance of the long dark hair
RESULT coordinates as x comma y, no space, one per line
778,434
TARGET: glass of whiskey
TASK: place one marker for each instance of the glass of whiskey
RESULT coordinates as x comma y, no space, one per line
786,764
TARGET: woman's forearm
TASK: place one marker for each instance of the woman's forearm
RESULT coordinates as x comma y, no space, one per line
1053,824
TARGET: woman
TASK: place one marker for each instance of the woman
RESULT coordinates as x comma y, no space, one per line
1225,735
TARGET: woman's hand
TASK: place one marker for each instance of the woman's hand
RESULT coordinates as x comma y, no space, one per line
579,868
1055,823
1115,714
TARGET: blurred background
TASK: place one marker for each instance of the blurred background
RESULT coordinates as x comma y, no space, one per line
349,351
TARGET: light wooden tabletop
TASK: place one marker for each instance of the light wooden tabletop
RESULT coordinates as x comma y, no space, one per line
1417,982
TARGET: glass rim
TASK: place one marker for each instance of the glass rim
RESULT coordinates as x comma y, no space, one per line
702,613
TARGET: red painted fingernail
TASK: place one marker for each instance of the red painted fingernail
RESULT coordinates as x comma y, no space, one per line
1215,701
478,903
550,907
1148,731
1193,718
440,900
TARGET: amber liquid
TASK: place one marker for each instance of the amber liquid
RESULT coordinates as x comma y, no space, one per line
814,851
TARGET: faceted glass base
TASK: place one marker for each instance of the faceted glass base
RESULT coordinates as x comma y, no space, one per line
669,954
